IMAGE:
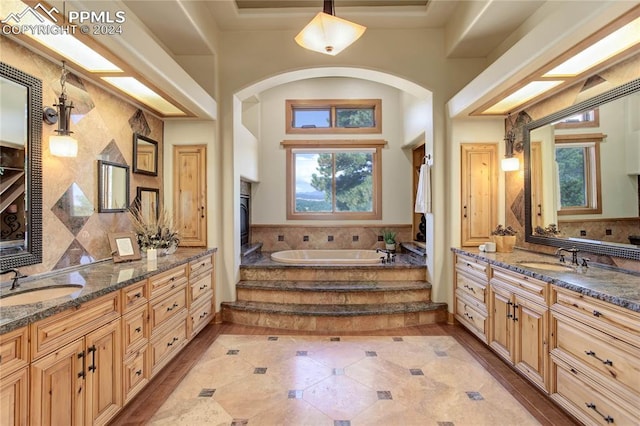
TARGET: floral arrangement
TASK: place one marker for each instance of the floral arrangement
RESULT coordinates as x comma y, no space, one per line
501,230
550,231
154,232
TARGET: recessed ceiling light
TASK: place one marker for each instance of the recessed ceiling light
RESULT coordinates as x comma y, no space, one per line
142,93
613,44
521,96
38,26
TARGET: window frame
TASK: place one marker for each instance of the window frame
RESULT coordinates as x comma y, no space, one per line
332,105
591,143
325,145
581,124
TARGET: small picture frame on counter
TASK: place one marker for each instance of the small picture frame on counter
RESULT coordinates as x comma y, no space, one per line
124,246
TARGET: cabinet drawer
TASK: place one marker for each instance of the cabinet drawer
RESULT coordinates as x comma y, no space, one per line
526,286
472,287
168,342
14,351
167,281
136,373
618,322
616,361
200,315
588,402
134,295
200,287
58,330
470,317
135,325
167,307
200,266
473,266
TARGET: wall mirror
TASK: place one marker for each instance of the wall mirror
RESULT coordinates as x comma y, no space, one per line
145,155
610,199
113,187
20,168
147,200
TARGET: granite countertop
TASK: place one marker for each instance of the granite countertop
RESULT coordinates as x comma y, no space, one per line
95,280
615,286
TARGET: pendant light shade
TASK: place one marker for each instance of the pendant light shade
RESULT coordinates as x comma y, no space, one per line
62,144
328,34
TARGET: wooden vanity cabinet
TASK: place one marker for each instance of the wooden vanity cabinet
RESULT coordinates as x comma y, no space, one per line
76,365
471,277
135,339
14,377
595,359
519,323
201,299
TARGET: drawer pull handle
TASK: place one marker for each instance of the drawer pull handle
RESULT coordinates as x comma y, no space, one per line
597,313
175,339
139,372
204,314
604,361
607,419
471,289
138,329
203,287
466,314
509,303
573,370
171,308
137,295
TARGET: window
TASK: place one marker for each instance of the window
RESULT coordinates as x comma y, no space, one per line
334,179
578,175
589,118
334,116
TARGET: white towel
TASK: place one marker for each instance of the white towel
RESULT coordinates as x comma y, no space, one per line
423,195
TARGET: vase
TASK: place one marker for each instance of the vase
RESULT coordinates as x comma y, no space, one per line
504,243
169,250
390,247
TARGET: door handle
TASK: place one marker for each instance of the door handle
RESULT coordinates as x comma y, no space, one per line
539,209
202,214
464,214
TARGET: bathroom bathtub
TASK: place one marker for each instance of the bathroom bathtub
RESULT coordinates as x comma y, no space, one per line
327,257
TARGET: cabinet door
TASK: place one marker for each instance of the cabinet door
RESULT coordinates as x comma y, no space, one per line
57,386
501,323
14,398
189,192
104,373
531,346
479,198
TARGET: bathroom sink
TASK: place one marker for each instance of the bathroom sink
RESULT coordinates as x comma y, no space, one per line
547,266
39,294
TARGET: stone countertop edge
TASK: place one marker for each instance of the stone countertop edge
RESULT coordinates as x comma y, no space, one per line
97,279
617,287
263,261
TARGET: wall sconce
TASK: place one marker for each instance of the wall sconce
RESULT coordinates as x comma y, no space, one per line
62,144
509,162
328,34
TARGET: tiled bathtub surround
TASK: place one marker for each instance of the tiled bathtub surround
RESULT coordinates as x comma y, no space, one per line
339,380
292,237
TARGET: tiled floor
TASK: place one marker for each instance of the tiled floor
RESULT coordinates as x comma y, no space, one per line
339,380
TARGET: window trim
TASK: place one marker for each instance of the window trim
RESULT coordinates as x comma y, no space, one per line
291,145
591,141
332,104
581,124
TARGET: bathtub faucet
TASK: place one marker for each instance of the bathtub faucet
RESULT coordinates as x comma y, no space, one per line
389,258
17,274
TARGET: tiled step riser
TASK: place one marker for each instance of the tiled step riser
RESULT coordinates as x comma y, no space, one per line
333,298
309,274
334,323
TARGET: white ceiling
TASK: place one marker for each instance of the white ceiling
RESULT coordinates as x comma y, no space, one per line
474,28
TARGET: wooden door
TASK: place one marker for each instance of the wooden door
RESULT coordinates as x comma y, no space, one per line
531,346
479,192
537,207
189,194
104,373
14,398
501,319
57,386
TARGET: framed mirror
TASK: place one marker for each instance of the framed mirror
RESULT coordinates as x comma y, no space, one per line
585,178
20,168
113,187
145,155
148,200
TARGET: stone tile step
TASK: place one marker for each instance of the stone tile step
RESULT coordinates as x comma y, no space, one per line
334,318
334,286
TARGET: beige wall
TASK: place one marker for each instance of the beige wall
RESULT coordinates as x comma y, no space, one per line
103,125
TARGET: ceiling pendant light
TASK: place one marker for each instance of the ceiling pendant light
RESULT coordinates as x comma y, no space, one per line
328,34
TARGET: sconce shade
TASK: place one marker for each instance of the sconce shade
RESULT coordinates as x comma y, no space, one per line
329,34
510,164
63,146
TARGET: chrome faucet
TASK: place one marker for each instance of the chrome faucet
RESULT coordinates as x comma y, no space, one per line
574,255
17,274
390,256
